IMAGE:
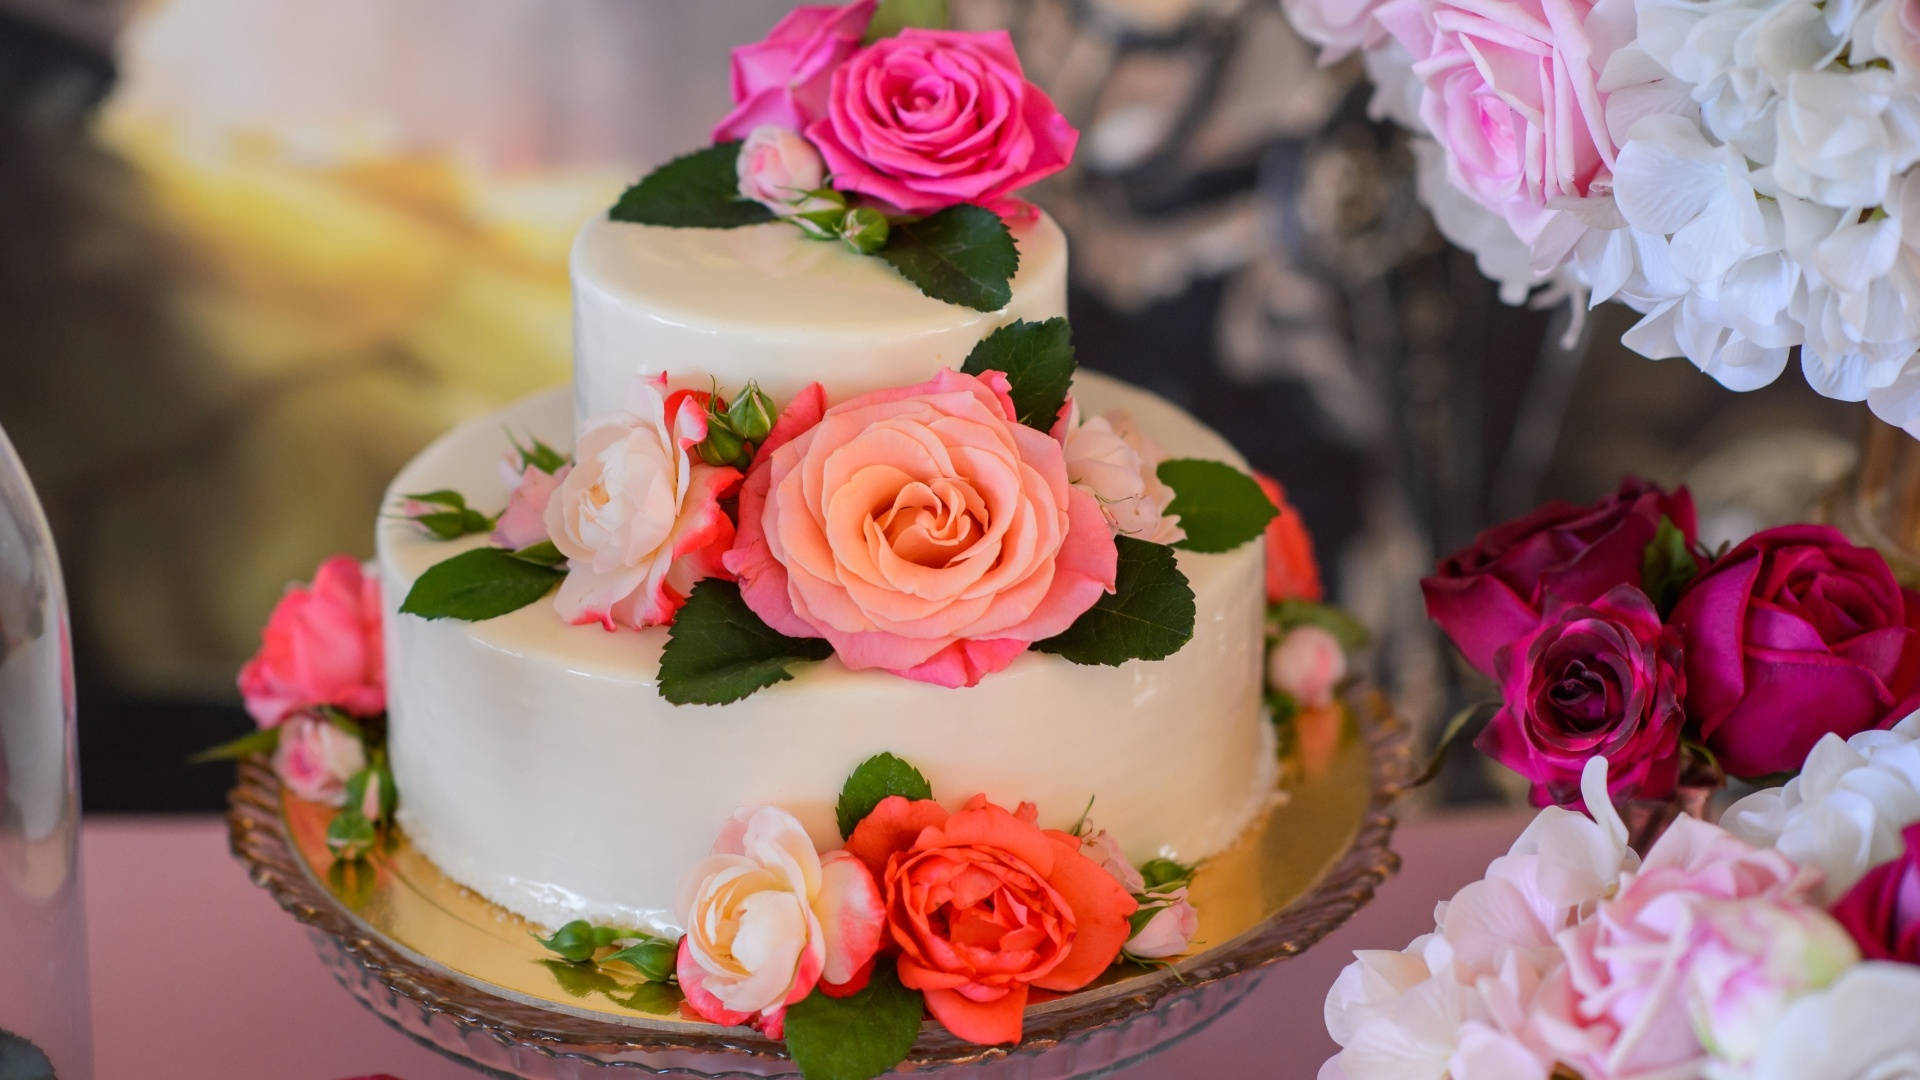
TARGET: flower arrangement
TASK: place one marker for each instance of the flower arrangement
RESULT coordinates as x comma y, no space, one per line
958,915
934,531
874,126
1613,633
1736,173
1309,642
1781,943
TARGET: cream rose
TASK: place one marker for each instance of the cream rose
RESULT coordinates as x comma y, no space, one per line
1109,458
768,919
777,168
315,759
638,517
1308,665
922,530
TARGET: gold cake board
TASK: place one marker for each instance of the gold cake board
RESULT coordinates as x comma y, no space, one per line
467,978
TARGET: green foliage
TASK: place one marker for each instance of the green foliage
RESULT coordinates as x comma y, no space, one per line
962,255
1220,507
700,190
1037,358
1148,616
875,779
719,651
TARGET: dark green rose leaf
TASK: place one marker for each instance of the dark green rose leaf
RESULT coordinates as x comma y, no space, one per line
1148,616
876,778
856,1037
1668,566
479,584
1037,358
698,191
962,255
1220,507
718,650
1350,632
543,553
893,16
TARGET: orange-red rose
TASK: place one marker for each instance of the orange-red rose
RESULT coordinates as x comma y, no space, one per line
984,907
1292,572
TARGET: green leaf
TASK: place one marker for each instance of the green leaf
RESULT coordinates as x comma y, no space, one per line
651,957
538,455
1349,631
263,741
1668,566
543,553
1460,722
1148,616
452,500
1037,358
454,524
478,584
963,255
1220,507
718,650
698,191
582,980
856,1037
658,998
579,940
877,777
1162,874
893,16
349,834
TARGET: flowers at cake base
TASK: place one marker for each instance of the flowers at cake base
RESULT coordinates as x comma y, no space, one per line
315,758
924,530
322,646
1292,571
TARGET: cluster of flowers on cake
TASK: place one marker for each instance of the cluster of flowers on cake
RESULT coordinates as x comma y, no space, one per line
1742,174
1780,944
958,914
1613,633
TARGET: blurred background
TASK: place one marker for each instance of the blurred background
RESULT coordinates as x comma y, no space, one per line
255,255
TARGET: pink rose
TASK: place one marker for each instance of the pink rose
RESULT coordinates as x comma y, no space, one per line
638,516
1510,92
1307,665
1793,634
315,759
768,919
321,646
921,530
1100,846
1168,931
1118,465
1495,590
932,118
777,168
524,522
1337,26
1598,680
783,79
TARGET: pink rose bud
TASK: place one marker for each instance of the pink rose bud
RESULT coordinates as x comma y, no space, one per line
1169,932
315,759
523,523
778,168
1307,665
1100,846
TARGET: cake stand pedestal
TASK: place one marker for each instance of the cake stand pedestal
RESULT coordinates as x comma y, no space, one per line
466,979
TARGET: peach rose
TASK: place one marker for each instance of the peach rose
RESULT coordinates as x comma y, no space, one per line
1118,465
986,907
315,759
1292,573
322,646
768,919
638,517
921,530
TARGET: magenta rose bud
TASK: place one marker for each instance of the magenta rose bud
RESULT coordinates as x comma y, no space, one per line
783,80
1598,679
1882,910
931,118
1793,634
1495,590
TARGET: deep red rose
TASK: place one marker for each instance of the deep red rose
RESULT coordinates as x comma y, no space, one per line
1598,679
1793,634
1882,910
1496,589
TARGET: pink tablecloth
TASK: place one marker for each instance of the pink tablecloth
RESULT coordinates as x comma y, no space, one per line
199,975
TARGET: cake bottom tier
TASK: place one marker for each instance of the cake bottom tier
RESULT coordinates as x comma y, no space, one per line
537,765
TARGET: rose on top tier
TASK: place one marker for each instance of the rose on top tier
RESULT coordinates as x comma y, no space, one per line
321,646
1603,679
783,79
931,118
1793,634
921,530
1496,589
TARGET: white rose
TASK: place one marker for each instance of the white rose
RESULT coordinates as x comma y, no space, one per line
1307,665
315,758
638,517
777,168
1859,1028
1169,931
1112,460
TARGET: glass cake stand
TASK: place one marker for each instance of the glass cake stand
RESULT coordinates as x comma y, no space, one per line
465,978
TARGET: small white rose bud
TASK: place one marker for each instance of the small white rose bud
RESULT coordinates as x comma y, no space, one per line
777,168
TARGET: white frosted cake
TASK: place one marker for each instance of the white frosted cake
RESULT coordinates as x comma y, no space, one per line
519,741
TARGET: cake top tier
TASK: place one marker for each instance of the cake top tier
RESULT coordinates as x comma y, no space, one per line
767,303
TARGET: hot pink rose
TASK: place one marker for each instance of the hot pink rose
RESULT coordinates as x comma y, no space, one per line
315,759
1603,680
321,646
1495,590
1510,90
932,118
921,530
1793,634
783,79
524,522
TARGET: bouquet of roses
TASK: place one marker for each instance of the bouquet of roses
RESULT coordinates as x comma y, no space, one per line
1782,943
1740,172
1613,633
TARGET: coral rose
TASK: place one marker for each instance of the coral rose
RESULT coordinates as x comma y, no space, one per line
638,516
1292,573
931,118
985,907
322,646
923,530
768,919
315,759
783,79
1793,634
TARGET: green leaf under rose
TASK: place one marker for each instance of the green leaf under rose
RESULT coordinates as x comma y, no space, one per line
1219,506
719,651
700,190
963,255
1037,359
1148,616
484,583
875,779
857,1037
